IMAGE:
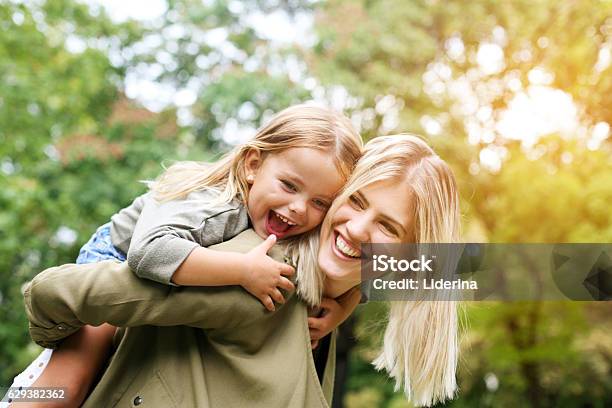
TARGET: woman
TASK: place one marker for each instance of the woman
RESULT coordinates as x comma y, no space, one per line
400,192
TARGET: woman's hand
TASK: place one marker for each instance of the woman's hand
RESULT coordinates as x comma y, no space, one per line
333,313
264,276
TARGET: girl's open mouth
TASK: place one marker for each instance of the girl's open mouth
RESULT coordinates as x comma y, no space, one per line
278,225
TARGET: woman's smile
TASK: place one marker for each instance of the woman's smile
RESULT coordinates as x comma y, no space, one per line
344,249
380,212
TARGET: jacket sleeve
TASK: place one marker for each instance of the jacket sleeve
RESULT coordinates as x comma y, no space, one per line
167,232
163,237
62,299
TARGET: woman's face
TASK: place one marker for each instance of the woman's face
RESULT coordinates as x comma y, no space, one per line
381,212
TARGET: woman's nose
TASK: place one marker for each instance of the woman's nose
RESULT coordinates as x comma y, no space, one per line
357,229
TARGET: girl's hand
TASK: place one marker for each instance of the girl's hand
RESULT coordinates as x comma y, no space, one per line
332,314
264,276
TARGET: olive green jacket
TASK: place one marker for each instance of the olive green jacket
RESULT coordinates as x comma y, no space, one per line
183,346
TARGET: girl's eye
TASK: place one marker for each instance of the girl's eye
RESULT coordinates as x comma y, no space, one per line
289,186
356,202
321,204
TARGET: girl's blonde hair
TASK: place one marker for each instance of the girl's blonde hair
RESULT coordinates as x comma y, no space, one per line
297,126
420,347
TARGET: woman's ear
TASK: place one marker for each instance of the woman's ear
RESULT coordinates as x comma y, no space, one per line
252,162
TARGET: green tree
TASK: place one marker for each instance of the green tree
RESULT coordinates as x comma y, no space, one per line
58,140
72,148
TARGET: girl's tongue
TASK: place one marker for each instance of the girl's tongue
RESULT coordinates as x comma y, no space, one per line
276,226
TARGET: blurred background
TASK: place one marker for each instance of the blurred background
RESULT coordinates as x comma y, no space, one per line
515,95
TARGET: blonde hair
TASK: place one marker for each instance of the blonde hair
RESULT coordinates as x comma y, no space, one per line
302,252
420,347
297,126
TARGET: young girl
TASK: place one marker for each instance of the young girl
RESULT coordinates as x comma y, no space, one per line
280,184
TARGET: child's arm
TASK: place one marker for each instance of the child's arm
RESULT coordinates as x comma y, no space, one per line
167,232
170,240
259,274
334,312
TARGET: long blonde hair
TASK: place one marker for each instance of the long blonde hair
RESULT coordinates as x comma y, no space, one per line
297,126
420,347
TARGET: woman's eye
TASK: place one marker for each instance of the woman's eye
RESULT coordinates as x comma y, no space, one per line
289,186
355,202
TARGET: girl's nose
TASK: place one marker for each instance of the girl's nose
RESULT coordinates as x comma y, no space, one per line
298,207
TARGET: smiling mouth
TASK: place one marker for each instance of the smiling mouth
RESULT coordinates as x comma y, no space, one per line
278,225
344,248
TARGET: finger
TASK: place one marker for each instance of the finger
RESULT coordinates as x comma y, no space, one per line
277,296
328,303
286,284
286,270
268,303
268,243
316,334
314,323
314,344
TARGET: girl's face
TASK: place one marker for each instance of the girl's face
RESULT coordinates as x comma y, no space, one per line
291,190
381,212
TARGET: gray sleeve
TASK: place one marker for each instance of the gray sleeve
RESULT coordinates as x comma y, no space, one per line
167,232
124,222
